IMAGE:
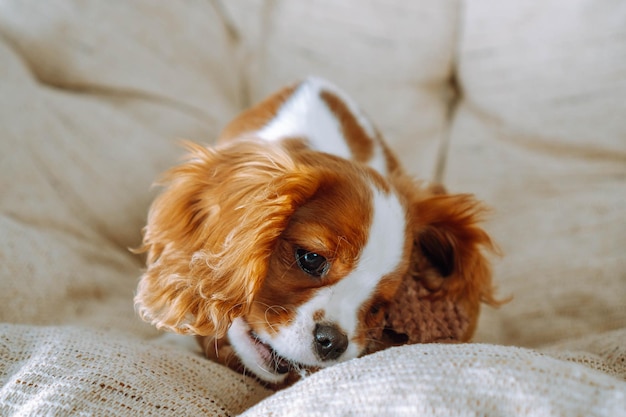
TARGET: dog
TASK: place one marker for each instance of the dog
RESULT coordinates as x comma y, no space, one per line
284,245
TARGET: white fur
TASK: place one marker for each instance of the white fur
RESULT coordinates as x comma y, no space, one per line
342,301
306,115
238,335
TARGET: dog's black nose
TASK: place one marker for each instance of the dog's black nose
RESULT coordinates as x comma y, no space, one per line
330,342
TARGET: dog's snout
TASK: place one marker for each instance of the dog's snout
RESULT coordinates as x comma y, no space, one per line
330,342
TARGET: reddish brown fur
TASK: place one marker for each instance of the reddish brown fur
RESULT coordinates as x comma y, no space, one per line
325,224
257,116
360,144
452,222
227,207
455,220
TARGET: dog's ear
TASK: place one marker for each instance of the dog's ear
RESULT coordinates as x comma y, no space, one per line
210,233
451,248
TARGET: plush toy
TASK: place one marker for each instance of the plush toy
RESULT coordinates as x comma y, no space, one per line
419,315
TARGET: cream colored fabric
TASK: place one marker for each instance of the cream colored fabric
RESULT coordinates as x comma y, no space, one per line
84,371
94,96
540,134
604,352
451,380
92,104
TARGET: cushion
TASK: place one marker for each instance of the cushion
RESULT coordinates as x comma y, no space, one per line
84,134
84,371
538,135
451,380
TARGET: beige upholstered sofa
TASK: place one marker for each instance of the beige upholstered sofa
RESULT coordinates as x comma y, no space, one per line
520,102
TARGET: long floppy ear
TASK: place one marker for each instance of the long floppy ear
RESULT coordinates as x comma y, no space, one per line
210,234
451,246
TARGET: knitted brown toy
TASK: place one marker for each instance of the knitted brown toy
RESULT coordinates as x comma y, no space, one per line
439,299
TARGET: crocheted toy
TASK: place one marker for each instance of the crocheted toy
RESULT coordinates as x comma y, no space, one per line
422,315
439,299
419,315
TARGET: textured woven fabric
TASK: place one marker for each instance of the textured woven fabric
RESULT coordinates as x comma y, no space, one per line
605,352
79,371
451,380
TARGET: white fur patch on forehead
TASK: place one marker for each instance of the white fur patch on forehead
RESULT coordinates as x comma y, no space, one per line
381,255
306,115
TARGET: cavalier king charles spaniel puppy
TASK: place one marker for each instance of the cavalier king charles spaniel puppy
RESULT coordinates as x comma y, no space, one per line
283,246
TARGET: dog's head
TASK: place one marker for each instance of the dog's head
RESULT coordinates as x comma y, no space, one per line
292,254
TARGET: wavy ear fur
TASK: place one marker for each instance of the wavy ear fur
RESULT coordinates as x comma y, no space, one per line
210,233
452,247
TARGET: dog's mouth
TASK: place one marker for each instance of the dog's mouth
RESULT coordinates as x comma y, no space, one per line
273,362
259,357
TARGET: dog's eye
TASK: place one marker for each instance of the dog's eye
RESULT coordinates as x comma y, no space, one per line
312,263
